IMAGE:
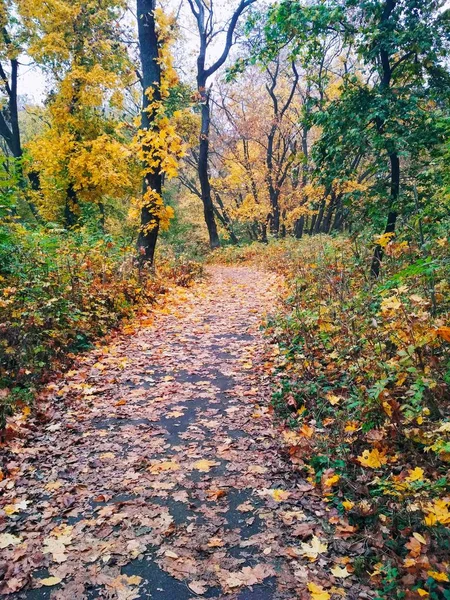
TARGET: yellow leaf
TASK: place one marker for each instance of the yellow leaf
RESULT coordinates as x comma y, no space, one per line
351,426
420,538
313,549
437,513
422,593
279,495
348,504
340,572
332,480
317,592
205,465
168,465
332,399
415,475
438,576
49,581
373,459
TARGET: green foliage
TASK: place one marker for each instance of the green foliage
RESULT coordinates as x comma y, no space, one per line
363,388
59,291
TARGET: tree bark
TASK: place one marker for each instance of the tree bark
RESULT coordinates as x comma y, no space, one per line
203,173
392,214
394,159
11,131
204,16
151,80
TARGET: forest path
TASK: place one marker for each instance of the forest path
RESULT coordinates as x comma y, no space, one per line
161,476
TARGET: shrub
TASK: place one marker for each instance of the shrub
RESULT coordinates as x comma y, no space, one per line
58,292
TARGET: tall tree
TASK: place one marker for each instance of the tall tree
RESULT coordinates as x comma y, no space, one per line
151,84
382,115
13,37
80,155
159,145
204,14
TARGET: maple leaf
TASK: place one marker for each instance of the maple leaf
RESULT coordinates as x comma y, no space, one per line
437,512
12,509
313,549
279,495
373,459
199,587
415,474
245,507
351,426
317,592
168,465
213,494
56,548
333,399
7,539
330,481
340,572
444,333
216,542
205,465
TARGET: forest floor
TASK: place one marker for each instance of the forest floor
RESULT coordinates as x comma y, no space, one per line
160,473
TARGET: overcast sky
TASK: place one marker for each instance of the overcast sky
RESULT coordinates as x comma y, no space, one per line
33,84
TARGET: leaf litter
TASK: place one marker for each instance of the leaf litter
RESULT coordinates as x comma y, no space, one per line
159,454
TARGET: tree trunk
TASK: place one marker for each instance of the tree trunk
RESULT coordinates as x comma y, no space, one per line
224,217
71,216
320,217
298,227
392,213
203,175
151,80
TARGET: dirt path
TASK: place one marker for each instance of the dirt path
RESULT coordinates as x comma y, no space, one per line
161,476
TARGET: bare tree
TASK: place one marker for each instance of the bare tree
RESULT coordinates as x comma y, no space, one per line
203,11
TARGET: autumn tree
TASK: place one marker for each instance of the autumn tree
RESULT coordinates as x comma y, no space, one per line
258,130
385,111
13,41
205,17
158,144
82,155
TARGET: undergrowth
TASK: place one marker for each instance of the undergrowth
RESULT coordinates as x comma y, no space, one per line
59,291
363,387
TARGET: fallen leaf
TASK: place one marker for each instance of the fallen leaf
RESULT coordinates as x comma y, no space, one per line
340,572
317,592
7,539
205,465
49,581
313,549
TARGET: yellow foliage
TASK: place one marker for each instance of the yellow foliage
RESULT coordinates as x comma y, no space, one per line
159,147
437,512
317,592
374,459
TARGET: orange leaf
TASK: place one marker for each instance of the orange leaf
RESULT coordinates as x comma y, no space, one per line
444,333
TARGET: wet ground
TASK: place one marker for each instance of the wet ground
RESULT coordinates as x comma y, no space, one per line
160,473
